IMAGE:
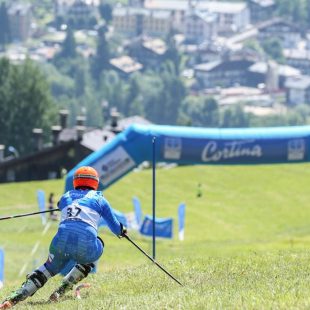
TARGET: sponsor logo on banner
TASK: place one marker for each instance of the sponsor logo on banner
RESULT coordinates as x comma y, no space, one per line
114,165
296,149
172,148
213,152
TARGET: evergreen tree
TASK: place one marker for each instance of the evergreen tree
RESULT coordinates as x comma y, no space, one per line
5,36
101,60
106,10
173,54
273,47
69,45
210,112
132,95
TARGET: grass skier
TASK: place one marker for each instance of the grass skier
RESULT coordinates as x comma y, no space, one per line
76,239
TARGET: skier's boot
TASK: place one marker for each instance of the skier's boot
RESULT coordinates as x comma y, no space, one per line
33,282
62,290
77,273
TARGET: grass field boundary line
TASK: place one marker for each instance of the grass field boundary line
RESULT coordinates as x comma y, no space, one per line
35,248
21,229
22,270
46,228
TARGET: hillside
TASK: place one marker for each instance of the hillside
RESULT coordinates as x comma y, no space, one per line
246,241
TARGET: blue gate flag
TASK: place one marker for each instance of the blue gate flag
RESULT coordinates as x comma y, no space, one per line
163,227
137,210
1,268
181,217
41,203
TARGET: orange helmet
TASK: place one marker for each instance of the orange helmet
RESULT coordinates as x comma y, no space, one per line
86,177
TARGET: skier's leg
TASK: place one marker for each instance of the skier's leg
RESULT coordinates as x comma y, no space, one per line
80,270
77,273
34,281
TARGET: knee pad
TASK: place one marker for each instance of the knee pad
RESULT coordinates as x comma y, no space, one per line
79,272
35,280
85,268
38,278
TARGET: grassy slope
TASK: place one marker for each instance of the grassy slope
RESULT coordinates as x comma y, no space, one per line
246,246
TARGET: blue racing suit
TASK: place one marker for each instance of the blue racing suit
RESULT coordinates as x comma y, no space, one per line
77,238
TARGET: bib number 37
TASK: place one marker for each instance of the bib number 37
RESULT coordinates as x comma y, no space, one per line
73,211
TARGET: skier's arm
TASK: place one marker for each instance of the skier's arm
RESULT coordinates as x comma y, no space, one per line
115,226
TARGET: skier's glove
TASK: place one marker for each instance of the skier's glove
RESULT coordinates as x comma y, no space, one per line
123,231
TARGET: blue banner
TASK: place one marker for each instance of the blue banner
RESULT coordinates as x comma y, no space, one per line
41,203
181,217
137,210
1,268
235,151
163,227
193,145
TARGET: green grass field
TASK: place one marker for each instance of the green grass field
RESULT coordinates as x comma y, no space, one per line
246,241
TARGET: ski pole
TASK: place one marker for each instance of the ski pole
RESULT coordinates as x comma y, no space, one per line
153,260
26,214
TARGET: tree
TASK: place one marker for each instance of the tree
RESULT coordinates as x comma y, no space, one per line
101,60
210,112
5,36
199,111
68,49
133,94
234,117
294,10
273,48
113,89
25,104
173,54
106,10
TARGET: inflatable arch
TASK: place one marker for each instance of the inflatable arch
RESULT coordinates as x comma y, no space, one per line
192,145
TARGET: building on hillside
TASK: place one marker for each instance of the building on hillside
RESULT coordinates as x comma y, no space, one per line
224,73
261,10
200,26
298,90
232,16
148,51
289,33
79,14
208,53
20,19
125,65
299,59
136,3
69,146
132,21
273,76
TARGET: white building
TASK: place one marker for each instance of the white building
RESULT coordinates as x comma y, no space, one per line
20,18
200,26
136,21
80,8
232,16
298,90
